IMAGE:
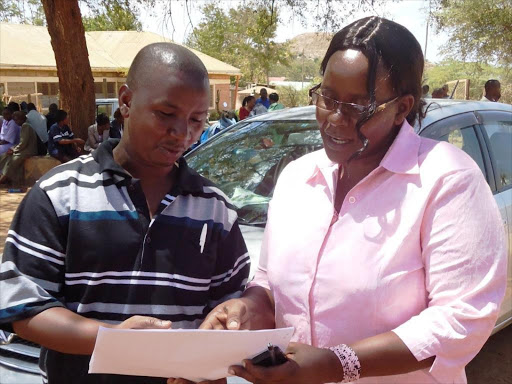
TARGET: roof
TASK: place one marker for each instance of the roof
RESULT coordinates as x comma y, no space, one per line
254,90
108,50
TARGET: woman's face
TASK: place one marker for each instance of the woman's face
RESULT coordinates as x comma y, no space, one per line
345,80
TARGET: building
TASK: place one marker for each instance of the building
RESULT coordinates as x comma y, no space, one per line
28,71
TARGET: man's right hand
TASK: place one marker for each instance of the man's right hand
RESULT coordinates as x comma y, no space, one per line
254,310
143,322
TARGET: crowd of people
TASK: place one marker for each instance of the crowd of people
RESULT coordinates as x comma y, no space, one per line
265,103
492,91
25,133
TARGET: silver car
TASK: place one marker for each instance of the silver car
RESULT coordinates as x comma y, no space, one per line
245,161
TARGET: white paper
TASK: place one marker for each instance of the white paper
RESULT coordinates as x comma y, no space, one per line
192,354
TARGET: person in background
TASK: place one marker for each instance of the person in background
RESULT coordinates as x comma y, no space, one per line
492,91
61,141
247,106
51,116
425,89
258,109
11,163
13,106
38,124
226,120
24,107
263,99
10,132
438,93
274,102
385,250
97,133
445,91
117,125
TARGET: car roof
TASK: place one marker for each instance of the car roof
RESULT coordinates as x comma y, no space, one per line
437,109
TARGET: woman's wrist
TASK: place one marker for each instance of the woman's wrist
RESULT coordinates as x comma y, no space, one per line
348,361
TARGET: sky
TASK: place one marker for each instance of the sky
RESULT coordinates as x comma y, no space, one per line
410,13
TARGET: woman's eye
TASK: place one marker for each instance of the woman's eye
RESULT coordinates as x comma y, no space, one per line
165,114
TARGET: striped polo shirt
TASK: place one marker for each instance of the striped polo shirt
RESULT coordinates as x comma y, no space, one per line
83,239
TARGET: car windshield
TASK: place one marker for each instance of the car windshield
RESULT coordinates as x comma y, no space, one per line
246,161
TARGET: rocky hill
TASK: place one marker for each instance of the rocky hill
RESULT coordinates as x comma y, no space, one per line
314,44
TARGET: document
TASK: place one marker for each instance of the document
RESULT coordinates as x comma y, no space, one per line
193,354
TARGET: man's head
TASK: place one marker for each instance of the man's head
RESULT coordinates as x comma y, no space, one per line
19,118
274,97
445,90
103,122
61,117
165,103
263,93
31,107
118,116
493,90
53,108
7,114
425,89
13,106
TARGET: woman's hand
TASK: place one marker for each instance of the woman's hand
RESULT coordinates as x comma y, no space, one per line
306,364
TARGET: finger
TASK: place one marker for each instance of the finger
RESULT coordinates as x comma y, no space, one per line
219,381
239,371
215,320
276,373
236,313
146,322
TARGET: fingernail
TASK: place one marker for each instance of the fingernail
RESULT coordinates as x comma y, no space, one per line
231,371
233,324
244,363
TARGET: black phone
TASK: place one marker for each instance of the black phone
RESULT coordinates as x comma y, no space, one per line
270,357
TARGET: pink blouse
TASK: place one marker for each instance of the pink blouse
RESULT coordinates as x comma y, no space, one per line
418,248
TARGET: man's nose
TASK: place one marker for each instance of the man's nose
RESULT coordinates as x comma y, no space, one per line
179,129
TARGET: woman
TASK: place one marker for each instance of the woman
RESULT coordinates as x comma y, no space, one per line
385,251
97,133
247,106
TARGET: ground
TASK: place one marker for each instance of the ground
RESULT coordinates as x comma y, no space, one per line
493,365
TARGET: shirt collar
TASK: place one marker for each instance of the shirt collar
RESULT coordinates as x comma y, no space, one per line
187,179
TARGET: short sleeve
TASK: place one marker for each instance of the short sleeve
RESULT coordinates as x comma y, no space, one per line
232,268
464,254
32,271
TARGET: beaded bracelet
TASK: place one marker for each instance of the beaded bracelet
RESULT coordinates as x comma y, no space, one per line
349,362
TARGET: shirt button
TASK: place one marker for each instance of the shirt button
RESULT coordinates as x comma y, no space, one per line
351,199
148,239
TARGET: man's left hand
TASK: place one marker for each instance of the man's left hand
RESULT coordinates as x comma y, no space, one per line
306,365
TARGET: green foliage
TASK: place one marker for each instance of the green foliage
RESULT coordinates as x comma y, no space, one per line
299,69
481,30
291,97
478,74
243,37
112,15
22,11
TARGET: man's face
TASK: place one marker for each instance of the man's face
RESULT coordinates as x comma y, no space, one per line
164,116
263,93
495,93
7,114
19,119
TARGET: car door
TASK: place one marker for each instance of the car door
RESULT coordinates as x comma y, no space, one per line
496,129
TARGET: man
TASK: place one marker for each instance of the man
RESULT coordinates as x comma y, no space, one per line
61,141
38,124
128,230
10,132
263,99
445,90
51,115
274,102
11,163
426,94
97,133
117,125
492,91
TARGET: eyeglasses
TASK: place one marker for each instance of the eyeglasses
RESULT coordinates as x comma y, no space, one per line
351,110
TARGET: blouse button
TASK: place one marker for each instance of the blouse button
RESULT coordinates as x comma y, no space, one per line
351,199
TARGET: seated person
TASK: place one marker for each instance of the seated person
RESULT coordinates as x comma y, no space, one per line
10,133
11,163
117,125
61,141
97,133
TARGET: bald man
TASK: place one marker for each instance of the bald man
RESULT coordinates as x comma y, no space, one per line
128,230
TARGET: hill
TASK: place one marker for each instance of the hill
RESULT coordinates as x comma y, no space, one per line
314,44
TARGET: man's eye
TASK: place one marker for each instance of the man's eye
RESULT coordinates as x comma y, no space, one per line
165,114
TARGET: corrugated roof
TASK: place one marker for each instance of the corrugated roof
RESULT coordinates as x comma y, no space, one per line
112,50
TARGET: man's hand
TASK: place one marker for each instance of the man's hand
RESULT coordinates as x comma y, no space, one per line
306,365
143,322
79,141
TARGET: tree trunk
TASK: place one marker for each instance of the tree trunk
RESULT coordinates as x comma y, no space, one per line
76,83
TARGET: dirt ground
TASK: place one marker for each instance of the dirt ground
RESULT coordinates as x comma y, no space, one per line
493,365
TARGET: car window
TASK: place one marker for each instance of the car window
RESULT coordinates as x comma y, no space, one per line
246,162
467,140
500,139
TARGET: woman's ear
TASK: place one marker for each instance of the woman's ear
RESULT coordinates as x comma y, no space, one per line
405,105
125,100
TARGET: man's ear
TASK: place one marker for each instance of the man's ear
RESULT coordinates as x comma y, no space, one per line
125,100
405,105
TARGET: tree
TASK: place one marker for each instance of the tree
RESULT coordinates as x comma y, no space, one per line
76,83
480,31
243,37
111,15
